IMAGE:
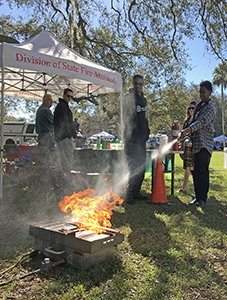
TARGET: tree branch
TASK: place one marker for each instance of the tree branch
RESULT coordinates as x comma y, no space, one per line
118,12
82,23
90,98
57,9
175,30
134,24
222,19
203,19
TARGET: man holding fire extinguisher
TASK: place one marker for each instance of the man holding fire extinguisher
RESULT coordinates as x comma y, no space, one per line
202,131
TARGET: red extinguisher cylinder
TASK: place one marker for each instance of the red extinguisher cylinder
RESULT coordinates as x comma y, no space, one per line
175,130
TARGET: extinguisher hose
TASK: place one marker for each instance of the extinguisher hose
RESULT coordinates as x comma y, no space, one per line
21,277
23,258
46,266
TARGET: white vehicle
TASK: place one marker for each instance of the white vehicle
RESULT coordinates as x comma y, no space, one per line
22,133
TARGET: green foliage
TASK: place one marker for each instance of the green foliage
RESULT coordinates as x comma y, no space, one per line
220,79
145,37
167,105
220,75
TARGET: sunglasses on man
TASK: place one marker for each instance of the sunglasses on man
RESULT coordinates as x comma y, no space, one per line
69,96
191,108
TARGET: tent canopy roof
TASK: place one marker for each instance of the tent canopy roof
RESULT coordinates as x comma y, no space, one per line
43,63
102,134
219,138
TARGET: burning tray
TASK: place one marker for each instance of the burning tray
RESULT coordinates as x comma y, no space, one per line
81,248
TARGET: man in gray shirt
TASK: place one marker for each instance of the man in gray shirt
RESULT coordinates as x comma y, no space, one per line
45,123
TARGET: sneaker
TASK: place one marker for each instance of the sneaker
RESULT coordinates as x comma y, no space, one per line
194,202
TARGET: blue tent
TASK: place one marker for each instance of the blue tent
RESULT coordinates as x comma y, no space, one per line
219,138
103,135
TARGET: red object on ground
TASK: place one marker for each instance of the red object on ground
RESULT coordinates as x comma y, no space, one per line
108,144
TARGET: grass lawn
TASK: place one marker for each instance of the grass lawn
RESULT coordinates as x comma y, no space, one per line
169,252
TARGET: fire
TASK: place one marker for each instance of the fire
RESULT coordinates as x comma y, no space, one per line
91,210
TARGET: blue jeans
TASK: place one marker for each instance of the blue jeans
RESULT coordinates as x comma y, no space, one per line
201,174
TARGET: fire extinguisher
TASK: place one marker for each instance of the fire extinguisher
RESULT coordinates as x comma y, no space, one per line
175,133
188,162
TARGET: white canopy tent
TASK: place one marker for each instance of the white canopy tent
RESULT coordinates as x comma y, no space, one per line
41,64
103,135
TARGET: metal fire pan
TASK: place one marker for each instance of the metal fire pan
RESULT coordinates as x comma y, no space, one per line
63,233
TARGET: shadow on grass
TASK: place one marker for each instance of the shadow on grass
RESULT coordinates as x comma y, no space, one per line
212,215
152,238
153,233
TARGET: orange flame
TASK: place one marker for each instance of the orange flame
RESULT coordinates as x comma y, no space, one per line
93,211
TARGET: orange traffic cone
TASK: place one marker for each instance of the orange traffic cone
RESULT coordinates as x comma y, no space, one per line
159,189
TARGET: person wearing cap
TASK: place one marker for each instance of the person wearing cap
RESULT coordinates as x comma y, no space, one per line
64,131
45,123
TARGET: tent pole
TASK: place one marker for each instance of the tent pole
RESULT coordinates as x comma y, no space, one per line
121,105
2,128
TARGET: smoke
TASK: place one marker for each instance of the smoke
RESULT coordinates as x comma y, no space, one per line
31,195
163,150
27,198
117,176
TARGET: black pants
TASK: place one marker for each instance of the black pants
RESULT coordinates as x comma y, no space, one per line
136,158
201,174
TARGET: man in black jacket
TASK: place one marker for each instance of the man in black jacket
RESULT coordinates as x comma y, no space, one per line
136,135
64,131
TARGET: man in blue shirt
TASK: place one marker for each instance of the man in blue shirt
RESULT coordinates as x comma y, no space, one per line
202,132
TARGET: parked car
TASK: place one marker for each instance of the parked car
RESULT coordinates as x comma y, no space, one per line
19,132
